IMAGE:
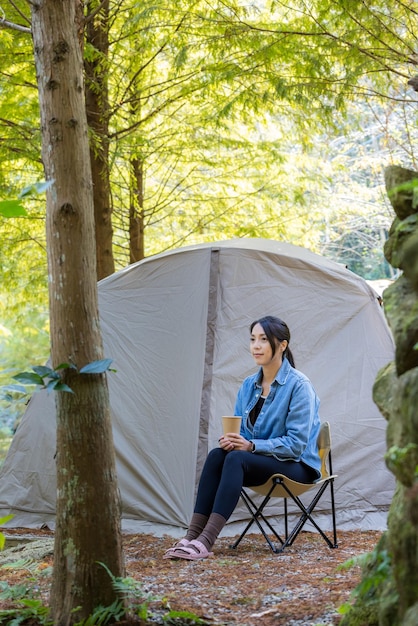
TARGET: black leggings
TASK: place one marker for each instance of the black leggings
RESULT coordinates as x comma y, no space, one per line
225,473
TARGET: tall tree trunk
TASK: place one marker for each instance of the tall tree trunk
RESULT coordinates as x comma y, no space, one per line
97,106
136,212
88,511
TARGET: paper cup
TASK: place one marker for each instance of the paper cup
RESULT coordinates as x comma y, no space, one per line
231,424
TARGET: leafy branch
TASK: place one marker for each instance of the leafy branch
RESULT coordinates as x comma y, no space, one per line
48,378
14,208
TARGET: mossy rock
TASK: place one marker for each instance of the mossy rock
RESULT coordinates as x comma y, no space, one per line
404,200
403,321
384,389
389,245
409,258
376,595
405,399
402,543
402,431
401,235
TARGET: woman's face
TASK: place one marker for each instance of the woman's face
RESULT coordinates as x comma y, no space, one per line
260,347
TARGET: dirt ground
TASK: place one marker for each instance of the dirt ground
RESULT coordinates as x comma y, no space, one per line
249,586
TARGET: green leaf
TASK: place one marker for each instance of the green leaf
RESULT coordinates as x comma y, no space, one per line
11,208
29,378
44,371
96,367
57,385
36,188
64,366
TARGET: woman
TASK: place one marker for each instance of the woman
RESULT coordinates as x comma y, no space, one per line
279,430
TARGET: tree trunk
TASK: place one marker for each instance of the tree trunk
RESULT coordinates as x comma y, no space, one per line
136,212
88,511
97,106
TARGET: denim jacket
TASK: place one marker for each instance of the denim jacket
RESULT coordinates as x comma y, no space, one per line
288,424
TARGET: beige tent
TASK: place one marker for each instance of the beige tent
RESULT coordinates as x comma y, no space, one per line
177,328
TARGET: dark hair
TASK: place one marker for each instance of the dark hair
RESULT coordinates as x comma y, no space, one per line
276,330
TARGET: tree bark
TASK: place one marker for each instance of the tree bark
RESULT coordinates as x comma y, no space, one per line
97,107
136,212
88,511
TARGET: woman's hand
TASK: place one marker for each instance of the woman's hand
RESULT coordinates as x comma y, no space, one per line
232,441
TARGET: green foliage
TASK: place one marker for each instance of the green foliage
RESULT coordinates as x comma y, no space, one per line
182,618
16,339
34,188
29,607
133,600
14,397
11,208
375,585
104,615
21,341
44,377
97,367
247,120
379,562
403,462
4,520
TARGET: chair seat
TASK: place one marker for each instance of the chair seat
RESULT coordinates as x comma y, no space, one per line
279,490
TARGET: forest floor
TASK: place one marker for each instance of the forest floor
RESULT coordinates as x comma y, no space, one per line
249,586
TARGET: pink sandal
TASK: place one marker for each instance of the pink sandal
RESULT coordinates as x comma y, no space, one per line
194,551
180,544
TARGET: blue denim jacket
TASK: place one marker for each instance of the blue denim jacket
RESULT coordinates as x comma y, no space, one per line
288,424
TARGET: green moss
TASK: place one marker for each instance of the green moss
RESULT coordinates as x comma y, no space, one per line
375,598
402,462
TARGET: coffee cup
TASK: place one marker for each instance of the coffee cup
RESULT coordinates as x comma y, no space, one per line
231,424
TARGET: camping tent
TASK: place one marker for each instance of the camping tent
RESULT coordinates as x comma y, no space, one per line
177,328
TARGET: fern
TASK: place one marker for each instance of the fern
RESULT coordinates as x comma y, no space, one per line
104,615
28,609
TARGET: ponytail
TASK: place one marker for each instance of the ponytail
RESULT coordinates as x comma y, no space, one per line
288,354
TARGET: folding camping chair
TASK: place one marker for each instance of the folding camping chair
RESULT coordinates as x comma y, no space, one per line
279,486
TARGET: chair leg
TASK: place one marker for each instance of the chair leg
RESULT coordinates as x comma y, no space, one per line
257,513
286,525
306,515
251,508
257,516
334,524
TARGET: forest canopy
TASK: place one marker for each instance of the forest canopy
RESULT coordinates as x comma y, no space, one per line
211,121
